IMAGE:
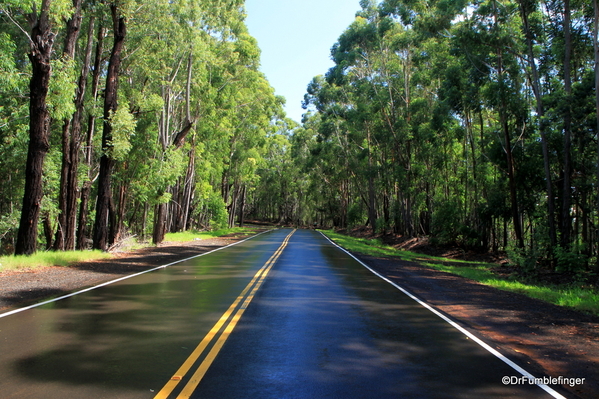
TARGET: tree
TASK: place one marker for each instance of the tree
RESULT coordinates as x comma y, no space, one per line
526,8
67,201
41,43
596,51
103,226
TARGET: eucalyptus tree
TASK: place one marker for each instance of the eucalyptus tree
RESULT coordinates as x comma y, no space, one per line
88,140
282,188
13,133
596,51
71,132
254,114
528,8
357,78
488,40
567,74
566,218
40,36
104,232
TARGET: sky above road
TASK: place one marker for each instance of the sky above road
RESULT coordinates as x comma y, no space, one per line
295,37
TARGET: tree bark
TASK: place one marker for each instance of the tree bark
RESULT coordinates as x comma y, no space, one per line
159,229
371,189
177,142
91,126
42,41
102,230
596,48
512,181
188,188
67,198
566,219
233,207
242,207
536,88
503,116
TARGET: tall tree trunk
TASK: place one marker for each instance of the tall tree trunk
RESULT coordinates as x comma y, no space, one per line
177,142
233,207
512,181
536,88
509,158
120,217
596,48
188,188
566,219
242,207
67,198
102,236
159,229
42,41
371,189
91,127
503,116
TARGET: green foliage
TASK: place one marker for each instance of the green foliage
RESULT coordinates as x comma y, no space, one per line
570,261
446,222
408,128
8,226
9,77
524,258
212,206
417,115
123,127
356,215
216,209
62,89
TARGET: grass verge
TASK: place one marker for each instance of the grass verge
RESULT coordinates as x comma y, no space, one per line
203,235
51,258
43,259
580,298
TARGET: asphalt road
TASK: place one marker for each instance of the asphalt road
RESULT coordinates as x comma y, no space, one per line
277,316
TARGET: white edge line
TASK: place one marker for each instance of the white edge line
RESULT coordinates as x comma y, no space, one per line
501,357
123,278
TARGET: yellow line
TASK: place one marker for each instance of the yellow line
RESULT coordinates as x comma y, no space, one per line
201,371
186,366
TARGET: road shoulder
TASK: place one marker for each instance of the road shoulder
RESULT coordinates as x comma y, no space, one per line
546,339
26,287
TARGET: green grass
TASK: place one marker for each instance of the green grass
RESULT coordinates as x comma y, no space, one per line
579,298
203,235
42,259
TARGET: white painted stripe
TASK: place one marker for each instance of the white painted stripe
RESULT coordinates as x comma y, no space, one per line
503,358
123,278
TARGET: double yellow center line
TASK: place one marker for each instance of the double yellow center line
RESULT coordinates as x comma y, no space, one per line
237,311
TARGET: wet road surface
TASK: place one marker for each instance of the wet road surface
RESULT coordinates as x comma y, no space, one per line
320,326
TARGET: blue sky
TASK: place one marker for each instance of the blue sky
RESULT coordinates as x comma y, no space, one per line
295,37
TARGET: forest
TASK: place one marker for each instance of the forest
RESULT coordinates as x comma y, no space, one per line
122,118
472,123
